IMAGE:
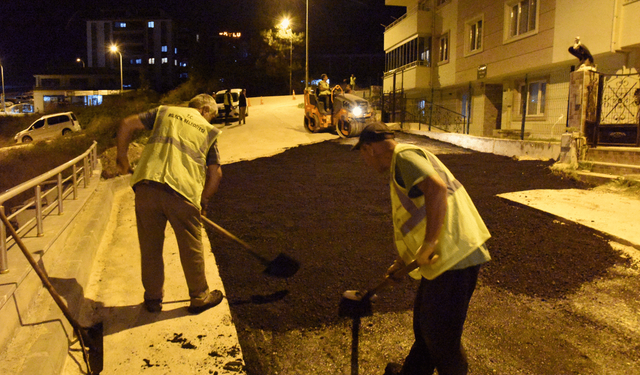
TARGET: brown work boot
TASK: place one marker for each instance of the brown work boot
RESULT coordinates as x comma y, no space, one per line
153,305
211,300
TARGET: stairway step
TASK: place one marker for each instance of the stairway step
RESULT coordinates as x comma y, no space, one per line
613,168
620,155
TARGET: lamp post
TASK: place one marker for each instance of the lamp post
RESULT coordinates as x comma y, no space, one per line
82,61
114,49
306,64
4,108
285,28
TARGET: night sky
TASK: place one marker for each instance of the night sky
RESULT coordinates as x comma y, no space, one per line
40,34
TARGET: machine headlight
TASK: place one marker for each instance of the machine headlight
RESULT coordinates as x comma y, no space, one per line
357,111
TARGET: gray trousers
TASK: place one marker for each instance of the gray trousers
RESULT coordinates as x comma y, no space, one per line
155,205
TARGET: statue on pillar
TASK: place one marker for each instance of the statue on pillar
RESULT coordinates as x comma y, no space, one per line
581,51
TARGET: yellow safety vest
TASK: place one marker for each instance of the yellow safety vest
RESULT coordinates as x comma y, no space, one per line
176,153
463,231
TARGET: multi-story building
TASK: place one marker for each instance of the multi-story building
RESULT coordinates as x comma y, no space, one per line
146,40
480,57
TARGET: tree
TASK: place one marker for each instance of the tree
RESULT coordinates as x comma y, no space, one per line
275,60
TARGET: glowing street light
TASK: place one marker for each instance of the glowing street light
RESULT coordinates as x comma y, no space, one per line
114,49
82,61
306,52
4,108
284,25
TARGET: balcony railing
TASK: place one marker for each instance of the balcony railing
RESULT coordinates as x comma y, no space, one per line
45,202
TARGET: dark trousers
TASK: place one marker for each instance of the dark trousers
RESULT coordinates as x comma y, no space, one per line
227,110
438,318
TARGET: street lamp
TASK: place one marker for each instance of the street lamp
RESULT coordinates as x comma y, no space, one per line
82,61
306,54
285,28
4,108
114,49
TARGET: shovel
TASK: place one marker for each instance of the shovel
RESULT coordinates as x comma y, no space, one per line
91,338
282,266
355,303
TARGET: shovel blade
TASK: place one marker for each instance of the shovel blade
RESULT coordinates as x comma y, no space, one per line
282,266
94,342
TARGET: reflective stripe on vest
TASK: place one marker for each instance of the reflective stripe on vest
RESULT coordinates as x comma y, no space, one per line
176,152
463,229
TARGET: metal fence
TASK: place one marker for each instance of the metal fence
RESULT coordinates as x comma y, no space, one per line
50,190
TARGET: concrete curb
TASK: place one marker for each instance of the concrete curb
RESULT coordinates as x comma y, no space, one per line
508,147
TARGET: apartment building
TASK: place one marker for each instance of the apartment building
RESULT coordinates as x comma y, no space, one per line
146,40
480,57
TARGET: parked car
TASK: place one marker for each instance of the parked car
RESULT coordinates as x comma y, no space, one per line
18,110
235,111
49,126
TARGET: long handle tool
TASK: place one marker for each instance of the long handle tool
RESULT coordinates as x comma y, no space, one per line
91,338
282,266
355,303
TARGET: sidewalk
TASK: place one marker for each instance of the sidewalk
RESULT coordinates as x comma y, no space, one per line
172,341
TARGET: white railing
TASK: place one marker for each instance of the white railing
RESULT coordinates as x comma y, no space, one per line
44,202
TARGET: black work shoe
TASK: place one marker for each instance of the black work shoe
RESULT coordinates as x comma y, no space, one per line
393,369
153,305
213,299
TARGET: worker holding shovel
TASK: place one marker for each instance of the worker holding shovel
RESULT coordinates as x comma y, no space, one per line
178,171
438,229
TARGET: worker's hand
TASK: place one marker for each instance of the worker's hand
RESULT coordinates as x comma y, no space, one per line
123,166
396,266
426,254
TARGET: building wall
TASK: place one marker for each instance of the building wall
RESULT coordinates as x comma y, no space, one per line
610,29
141,47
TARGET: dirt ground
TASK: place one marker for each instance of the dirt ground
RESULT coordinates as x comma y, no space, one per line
557,298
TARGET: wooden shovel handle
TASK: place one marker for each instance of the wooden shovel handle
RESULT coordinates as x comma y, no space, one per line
225,232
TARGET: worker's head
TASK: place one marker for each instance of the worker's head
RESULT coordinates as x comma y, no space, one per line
206,105
376,145
323,77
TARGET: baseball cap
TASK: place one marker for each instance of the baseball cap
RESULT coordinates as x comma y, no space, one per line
374,132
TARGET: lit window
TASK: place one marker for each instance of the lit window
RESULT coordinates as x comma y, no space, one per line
474,30
536,94
444,48
164,49
121,25
151,24
521,17
165,60
138,61
152,61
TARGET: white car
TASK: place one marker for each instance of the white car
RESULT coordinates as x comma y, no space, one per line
49,126
235,111
18,110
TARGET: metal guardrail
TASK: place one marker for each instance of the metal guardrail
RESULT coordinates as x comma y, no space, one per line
41,201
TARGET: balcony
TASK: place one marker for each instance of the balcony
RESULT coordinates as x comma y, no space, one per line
416,21
412,77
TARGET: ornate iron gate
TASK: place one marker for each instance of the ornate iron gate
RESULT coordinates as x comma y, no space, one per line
617,113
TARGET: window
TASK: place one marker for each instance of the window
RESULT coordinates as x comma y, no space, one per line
151,24
474,30
443,54
120,25
165,60
536,93
164,49
521,17
414,52
152,61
